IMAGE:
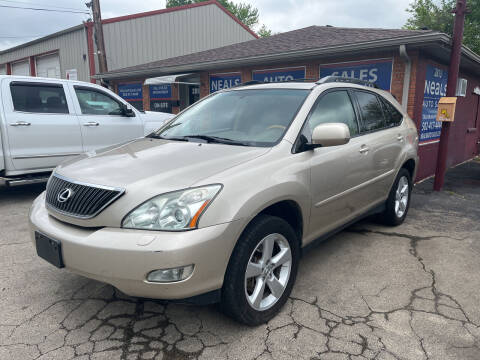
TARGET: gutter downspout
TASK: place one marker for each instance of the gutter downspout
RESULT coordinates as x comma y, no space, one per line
406,77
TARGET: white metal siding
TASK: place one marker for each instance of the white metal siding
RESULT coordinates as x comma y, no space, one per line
71,47
146,39
21,68
142,40
48,66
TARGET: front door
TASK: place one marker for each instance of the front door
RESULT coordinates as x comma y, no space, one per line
41,125
337,172
102,118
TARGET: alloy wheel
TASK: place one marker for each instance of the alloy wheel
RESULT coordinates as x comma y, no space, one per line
268,271
401,197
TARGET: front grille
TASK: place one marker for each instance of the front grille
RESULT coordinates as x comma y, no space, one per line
79,199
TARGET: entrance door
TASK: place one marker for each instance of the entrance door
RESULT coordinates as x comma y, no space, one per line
473,128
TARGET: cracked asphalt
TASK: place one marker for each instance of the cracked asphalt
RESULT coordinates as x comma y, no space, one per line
371,292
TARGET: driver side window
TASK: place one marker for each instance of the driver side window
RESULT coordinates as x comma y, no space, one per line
334,107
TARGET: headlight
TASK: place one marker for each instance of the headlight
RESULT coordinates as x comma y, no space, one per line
175,211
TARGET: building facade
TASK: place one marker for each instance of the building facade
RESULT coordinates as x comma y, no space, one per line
129,40
412,65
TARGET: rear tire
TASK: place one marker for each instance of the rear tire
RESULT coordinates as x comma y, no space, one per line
261,271
398,201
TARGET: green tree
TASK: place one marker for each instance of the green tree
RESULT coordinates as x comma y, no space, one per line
437,15
264,32
246,13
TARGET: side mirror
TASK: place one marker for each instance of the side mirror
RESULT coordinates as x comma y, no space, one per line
330,134
128,112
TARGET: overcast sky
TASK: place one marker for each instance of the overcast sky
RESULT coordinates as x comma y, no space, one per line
18,26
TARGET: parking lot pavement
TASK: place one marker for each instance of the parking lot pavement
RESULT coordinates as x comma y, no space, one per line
410,292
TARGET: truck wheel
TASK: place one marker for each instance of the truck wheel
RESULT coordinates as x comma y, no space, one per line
261,271
398,201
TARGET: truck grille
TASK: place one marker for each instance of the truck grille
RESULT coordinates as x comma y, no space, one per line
78,199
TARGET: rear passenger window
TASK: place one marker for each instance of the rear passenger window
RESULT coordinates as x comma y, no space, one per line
39,98
393,117
372,113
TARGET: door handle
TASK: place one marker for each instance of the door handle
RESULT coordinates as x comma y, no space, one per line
364,149
91,123
21,123
399,137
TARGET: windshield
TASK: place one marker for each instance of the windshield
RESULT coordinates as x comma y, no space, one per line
241,117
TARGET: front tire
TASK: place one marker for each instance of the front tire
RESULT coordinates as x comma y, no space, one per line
398,201
261,271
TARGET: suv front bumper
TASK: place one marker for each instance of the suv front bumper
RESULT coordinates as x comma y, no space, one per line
124,257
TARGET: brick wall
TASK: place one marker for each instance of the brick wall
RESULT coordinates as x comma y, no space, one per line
312,71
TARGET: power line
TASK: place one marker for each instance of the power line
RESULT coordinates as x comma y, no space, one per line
44,9
33,4
19,37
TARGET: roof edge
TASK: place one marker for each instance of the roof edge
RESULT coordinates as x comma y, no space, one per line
43,38
407,40
130,17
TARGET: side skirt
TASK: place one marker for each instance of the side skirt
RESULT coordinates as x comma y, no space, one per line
375,210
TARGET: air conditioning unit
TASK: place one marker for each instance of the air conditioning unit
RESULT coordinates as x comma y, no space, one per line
462,87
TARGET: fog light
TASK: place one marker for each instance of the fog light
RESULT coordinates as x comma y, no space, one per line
170,275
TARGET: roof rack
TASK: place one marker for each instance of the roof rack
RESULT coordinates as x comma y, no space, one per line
258,82
340,79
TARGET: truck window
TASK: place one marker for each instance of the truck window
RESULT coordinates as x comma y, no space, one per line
39,98
93,102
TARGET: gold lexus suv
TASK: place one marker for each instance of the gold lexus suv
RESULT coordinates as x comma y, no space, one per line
217,205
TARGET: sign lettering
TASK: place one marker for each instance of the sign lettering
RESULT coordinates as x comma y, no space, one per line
279,75
435,87
224,81
378,72
130,91
158,92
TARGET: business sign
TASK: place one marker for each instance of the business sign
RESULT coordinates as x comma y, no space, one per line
163,91
193,94
375,71
435,87
278,75
161,105
130,91
224,81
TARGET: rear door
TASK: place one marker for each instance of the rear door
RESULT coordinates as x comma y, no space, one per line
382,141
102,118
42,128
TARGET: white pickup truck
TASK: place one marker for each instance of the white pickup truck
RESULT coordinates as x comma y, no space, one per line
44,122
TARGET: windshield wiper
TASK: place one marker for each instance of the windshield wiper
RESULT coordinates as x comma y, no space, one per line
177,138
216,139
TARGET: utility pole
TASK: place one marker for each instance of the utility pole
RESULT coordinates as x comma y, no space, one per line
97,24
459,11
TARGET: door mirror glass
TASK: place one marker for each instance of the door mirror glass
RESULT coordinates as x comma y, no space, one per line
330,134
128,112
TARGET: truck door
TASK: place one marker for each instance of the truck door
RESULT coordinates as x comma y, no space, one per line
41,127
102,118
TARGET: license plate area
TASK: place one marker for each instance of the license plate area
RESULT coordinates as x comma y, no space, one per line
49,249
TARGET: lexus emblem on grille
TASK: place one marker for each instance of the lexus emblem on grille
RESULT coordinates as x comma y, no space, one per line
64,195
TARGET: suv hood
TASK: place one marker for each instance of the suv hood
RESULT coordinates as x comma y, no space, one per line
163,164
